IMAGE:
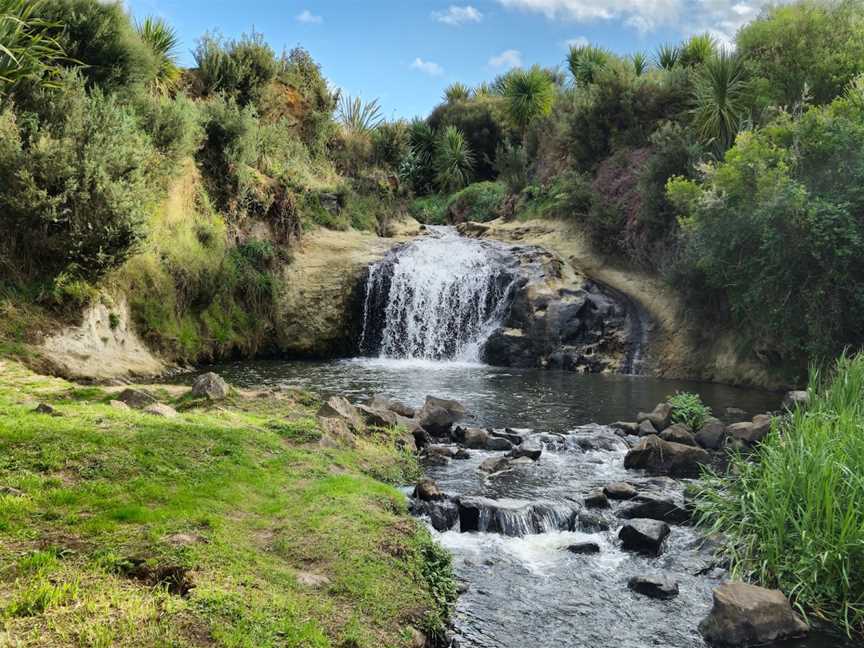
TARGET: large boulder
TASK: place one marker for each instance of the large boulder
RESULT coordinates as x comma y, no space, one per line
679,433
645,428
210,386
658,587
712,434
475,438
747,615
338,407
427,490
656,508
438,415
665,458
135,398
644,536
750,432
381,402
382,418
660,416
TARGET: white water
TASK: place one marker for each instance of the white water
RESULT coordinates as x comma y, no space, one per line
445,295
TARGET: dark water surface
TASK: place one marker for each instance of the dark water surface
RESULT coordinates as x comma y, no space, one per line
529,591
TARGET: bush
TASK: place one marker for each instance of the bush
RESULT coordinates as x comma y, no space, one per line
30,51
391,145
482,121
792,517
174,125
480,201
431,209
688,408
454,160
241,69
76,198
511,164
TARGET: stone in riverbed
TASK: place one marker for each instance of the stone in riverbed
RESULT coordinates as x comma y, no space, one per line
381,402
626,427
210,386
711,435
619,491
338,407
427,489
581,548
495,464
660,416
589,521
679,433
377,417
596,499
646,428
512,437
475,438
443,513
750,432
526,451
665,458
498,444
657,587
438,415
656,508
644,536
746,615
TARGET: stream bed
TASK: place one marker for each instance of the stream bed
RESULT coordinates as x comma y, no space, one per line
528,590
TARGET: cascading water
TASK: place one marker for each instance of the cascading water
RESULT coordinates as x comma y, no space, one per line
438,298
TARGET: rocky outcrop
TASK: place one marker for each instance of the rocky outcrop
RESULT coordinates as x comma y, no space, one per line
747,615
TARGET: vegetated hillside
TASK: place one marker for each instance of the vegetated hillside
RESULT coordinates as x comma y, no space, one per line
232,524
187,190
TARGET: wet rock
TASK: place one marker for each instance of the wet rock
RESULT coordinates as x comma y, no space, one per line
381,402
421,438
581,548
656,508
591,438
590,521
679,433
338,407
619,491
750,432
513,517
461,454
657,587
45,408
438,415
512,437
665,458
161,409
443,513
475,438
210,386
377,417
596,499
135,398
660,416
626,427
644,536
797,398
427,489
494,464
498,444
526,451
646,428
448,452
712,434
746,615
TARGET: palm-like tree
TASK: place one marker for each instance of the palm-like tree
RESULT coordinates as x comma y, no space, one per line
28,49
357,116
585,61
163,41
456,92
640,63
698,50
454,160
667,56
530,94
721,94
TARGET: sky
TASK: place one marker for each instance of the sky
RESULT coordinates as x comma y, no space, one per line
405,52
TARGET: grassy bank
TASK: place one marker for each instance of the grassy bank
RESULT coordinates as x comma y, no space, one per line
229,525
793,516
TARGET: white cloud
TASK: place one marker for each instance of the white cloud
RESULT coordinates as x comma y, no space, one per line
507,59
309,18
721,18
579,41
427,67
456,16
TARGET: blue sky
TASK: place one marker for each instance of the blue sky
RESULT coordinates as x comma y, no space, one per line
406,52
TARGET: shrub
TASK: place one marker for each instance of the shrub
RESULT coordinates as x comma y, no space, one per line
358,116
174,125
585,61
792,517
454,160
722,97
431,209
418,169
699,49
511,164
480,201
390,142
689,409
30,48
163,41
241,69
529,94
456,92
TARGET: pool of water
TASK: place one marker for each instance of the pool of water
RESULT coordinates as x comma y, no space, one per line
529,590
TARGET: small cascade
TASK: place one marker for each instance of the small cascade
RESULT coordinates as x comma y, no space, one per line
514,518
437,298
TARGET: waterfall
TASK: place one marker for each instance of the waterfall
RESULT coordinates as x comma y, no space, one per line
437,298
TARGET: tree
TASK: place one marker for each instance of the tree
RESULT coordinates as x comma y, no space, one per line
585,61
721,94
454,160
358,116
163,41
530,94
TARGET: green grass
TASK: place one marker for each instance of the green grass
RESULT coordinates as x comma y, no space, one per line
689,409
239,497
793,516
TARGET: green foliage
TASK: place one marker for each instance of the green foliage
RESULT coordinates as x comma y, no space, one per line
29,49
511,164
174,125
480,202
689,409
699,49
358,116
241,69
774,229
419,168
803,49
529,94
667,56
431,209
454,160
76,196
163,42
456,92
585,61
100,37
391,143
640,63
792,517
722,97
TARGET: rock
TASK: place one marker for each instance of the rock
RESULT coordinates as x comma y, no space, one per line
750,432
381,418
475,438
136,398
619,491
418,638
626,427
797,398
495,464
338,407
679,433
656,508
498,444
656,587
526,450
421,438
512,437
746,615
438,415
644,536
443,513
761,426
590,521
712,434
645,428
44,408
315,581
596,499
447,452
513,517
461,454
584,548
593,438
735,414
160,409
381,402
335,430
660,416
120,405
210,386
11,491
666,458
427,489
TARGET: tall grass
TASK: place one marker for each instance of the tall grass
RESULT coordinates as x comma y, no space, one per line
793,515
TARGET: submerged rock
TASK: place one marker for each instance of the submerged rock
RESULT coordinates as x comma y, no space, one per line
619,491
657,587
644,536
746,615
584,548
210,386
666,458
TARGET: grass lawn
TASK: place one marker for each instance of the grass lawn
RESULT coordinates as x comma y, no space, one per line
230,525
